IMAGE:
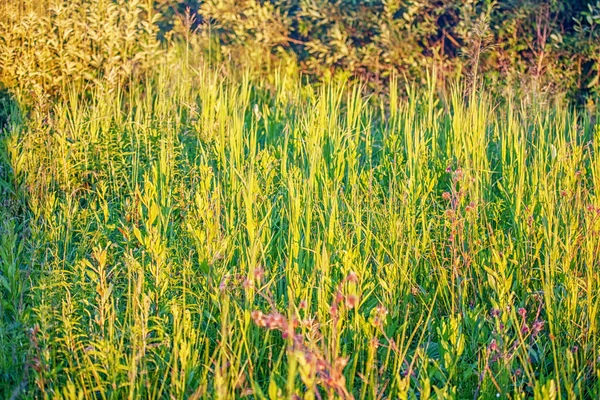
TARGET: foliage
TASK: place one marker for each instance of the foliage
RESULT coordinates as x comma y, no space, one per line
535,41
173,226
75,42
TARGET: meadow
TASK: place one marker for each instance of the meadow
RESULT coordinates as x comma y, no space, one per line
207,232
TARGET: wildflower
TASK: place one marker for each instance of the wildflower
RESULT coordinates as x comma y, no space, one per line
259,273
537,327
381,310
522,312
494,313
377,322
258,319
351,301
223,284
276,321
378,315
303,305
333,310
321,366
470,207
458,175
446,196
493,346
248,284
352,277
341,362
309,323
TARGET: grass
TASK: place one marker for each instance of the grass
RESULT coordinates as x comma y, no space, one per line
210,235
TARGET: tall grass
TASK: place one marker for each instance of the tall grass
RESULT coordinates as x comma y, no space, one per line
208,235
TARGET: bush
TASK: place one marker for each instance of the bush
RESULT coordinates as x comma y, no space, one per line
528,44
551,45
75,42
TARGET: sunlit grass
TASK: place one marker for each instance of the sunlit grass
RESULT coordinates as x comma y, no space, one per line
211,235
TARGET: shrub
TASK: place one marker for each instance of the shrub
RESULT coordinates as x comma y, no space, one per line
75,42
551,45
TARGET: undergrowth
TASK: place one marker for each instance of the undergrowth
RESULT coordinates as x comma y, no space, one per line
196,232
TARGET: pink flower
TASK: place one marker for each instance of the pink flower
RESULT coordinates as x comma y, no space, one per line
351,301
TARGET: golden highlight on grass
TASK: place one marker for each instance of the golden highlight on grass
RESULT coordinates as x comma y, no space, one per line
200,233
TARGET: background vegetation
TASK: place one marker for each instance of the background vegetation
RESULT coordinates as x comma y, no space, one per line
534,45
212,206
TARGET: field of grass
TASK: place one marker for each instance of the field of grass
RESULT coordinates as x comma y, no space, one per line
209,234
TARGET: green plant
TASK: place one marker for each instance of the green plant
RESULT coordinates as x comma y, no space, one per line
201,231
